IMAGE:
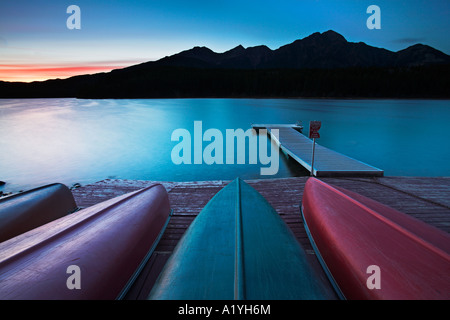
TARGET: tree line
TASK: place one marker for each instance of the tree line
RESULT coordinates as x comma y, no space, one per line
183,82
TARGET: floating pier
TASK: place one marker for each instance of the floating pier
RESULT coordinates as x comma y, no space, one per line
297,127
327,162
427,199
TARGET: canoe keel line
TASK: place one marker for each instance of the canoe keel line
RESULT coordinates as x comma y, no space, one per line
144,261
109,242
239,248
239,272
321,261
352,235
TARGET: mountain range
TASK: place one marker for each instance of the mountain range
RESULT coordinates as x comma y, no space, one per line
320,50
320,65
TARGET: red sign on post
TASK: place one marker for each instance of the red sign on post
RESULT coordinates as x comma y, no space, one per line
314,127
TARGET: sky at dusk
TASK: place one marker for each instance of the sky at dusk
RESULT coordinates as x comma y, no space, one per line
35,43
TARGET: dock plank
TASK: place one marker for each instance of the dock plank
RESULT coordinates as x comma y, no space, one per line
327,162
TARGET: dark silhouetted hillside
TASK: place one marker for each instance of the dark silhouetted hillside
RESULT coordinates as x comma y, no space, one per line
320,65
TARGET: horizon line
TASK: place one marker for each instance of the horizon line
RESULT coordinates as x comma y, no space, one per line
59,71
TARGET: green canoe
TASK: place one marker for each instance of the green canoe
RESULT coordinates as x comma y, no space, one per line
238,247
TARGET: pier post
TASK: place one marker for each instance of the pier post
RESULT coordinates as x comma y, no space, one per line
312,160
314,127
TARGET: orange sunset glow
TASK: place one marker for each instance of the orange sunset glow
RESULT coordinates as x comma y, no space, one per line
29,72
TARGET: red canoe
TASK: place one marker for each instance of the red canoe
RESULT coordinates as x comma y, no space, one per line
352,233
27,210
108,242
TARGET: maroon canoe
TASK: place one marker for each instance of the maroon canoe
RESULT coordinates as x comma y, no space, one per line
108,242
27,210
352,234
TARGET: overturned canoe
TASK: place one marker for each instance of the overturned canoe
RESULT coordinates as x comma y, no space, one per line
27,210
93,254
238,247
371,251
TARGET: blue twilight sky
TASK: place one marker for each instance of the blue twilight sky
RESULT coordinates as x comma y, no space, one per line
35,42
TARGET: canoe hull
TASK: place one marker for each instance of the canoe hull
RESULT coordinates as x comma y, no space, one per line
352,233
239,248
108,242
30,209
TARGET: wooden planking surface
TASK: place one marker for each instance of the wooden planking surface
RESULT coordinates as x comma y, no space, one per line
327,162
427,199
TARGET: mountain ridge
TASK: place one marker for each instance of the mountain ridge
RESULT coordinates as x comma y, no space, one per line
318,50
320,65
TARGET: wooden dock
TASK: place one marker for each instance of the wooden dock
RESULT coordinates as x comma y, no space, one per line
327,162
258,126
427,199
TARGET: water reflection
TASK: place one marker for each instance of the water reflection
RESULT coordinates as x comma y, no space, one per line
69,140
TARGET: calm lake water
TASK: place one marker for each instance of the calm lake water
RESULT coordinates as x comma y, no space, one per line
83,141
